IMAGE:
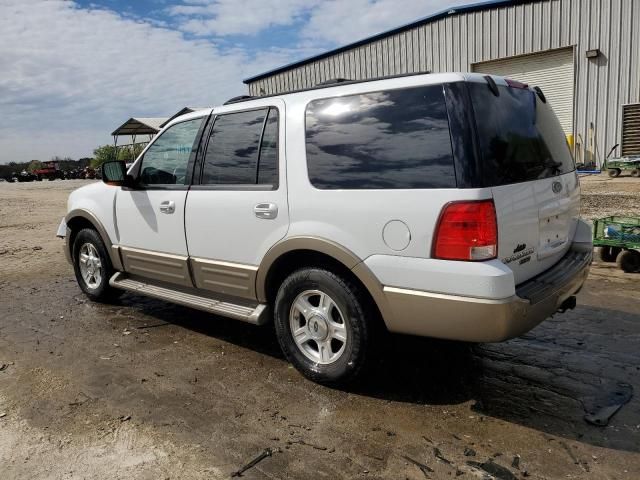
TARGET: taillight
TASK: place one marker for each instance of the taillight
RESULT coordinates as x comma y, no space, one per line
467,231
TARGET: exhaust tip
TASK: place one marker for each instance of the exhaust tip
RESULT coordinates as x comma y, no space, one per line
569,304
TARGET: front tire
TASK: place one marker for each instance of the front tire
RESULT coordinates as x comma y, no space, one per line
92,266
614,172
324,325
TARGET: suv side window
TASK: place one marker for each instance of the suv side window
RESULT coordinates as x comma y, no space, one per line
165,162
242,149
381,140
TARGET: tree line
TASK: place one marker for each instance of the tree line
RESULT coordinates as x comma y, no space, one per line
101,154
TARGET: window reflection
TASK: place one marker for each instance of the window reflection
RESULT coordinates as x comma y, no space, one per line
520,137
232,153
393,139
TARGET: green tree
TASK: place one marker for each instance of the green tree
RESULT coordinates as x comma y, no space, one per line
107,153
34,165
104,153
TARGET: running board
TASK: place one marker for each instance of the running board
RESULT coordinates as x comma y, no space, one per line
256,315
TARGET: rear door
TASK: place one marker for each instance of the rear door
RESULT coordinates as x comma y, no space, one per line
528,166
239,208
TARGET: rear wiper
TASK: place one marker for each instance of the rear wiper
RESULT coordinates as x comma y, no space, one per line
555,167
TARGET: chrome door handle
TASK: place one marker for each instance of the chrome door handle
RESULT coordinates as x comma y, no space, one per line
168,206
267,211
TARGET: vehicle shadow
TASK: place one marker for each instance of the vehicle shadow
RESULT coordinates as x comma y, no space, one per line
547,380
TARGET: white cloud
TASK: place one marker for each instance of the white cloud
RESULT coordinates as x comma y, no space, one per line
70,75
342,22
332,22
240,17
68,71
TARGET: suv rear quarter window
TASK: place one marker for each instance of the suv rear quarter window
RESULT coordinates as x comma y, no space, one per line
395,139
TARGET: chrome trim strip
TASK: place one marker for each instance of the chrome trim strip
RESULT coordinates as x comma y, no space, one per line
442,296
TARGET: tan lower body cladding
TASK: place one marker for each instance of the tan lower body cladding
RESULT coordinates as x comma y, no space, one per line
231,279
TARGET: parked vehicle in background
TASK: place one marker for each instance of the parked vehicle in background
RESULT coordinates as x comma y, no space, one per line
442,205
624,165
89,173
25,176
619,241
49,171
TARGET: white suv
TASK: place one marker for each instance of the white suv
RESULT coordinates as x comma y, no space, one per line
442,205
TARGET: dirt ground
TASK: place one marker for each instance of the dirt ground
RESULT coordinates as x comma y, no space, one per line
144,389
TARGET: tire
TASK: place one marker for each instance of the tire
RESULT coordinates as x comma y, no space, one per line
350,313
609,254
614,172
629,261
635,173
96,286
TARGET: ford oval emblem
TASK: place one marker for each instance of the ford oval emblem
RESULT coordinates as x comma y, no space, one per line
556,187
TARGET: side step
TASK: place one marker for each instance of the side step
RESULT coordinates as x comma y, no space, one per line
256,315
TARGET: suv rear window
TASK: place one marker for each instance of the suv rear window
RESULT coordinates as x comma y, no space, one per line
519,136
382,140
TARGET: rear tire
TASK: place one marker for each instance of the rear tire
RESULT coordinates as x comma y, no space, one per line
609,254
635,173
629,261
93,267
614,172
333,322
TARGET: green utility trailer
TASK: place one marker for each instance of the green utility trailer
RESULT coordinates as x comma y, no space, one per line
619,241
630,165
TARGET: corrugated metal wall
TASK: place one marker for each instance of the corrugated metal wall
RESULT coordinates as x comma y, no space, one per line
454,43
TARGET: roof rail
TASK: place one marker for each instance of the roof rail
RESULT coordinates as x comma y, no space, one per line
326,84
333,81
239,98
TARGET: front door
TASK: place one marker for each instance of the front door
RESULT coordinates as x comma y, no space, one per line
150,217
239,208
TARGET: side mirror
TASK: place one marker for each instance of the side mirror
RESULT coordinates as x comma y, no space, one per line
115,173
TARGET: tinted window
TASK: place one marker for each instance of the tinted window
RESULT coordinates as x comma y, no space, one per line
268,163
165,162
232,153
520,137
392,139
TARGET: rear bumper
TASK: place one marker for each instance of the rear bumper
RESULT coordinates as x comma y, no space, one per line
487,320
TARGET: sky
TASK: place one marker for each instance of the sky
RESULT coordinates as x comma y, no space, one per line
73,71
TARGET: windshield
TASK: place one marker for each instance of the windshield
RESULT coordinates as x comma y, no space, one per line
520,138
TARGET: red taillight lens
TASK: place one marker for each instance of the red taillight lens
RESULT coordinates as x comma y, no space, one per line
467,231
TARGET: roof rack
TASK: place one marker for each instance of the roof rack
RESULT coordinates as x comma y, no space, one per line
239,98
326,84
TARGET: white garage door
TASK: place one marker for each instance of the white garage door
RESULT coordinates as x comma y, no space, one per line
552,71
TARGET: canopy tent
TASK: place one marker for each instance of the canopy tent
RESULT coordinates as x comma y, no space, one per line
146,127
139,126
133,128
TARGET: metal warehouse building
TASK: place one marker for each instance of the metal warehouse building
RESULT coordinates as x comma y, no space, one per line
584,54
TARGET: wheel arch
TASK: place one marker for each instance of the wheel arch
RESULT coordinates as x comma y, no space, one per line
78,219
295,252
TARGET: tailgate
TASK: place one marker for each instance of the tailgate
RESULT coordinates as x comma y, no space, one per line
527,163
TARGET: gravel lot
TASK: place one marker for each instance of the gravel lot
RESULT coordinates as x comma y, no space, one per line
144,389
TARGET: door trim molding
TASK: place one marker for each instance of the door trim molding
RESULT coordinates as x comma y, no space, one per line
235,279
166,267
